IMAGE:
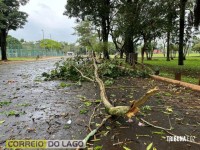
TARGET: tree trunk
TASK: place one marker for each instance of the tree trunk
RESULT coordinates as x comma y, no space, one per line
168,43
181,29
3,44
172,53
105,25
185,52
119,49
121,54
152,54
105,39
129,47
143,49
129,111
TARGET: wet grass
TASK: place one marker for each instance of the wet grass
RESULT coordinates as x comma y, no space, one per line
190,70
184,78
192,63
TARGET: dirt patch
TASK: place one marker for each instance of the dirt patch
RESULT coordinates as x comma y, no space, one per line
35,109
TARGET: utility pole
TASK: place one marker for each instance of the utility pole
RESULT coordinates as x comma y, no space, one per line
42,34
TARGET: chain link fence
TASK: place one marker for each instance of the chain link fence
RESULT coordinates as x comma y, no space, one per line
33,53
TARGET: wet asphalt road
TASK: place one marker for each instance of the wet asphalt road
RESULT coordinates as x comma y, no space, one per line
38,109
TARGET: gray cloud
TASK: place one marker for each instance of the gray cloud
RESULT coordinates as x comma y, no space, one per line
46,15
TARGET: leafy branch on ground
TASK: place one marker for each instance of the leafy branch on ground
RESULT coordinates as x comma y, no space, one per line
73,69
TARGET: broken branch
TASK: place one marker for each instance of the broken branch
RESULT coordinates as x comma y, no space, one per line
93,132
119,110
83,74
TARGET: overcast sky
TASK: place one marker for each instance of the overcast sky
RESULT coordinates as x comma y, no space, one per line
46,15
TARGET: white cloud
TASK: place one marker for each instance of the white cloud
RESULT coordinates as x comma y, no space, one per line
46,15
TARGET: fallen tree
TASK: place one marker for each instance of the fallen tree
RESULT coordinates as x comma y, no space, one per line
128,111
83,71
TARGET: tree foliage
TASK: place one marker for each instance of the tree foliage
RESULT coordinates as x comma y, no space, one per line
49,44
197,13
97,11
130,21
13,43
11,19
196,47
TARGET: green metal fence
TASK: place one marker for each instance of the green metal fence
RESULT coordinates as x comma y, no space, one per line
33,53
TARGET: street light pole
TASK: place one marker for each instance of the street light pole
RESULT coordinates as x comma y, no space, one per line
43,38
43,34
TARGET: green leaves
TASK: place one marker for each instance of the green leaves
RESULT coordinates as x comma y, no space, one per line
84,111
65,70
149,146
63,85
5,103
98,148
87,103
13,43
126,148
1,122
108,82
12,17
50,44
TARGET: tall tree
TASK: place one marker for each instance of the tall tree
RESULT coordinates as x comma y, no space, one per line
171,16
11,19
128,19
97,11
152,21
181,30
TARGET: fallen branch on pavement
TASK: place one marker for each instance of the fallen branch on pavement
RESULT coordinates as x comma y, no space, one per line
93,132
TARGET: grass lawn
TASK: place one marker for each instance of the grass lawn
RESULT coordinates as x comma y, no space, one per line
190,70
21,58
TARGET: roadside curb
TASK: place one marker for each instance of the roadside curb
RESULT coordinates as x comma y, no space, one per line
32,60
187,85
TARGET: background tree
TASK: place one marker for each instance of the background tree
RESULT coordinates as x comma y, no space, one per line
11,19
49,44
196,47
118,41
97,11
197,13
181,30
128,19
88,38
171,23
152,21
13,43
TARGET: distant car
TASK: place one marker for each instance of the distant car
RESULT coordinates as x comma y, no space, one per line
70,53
